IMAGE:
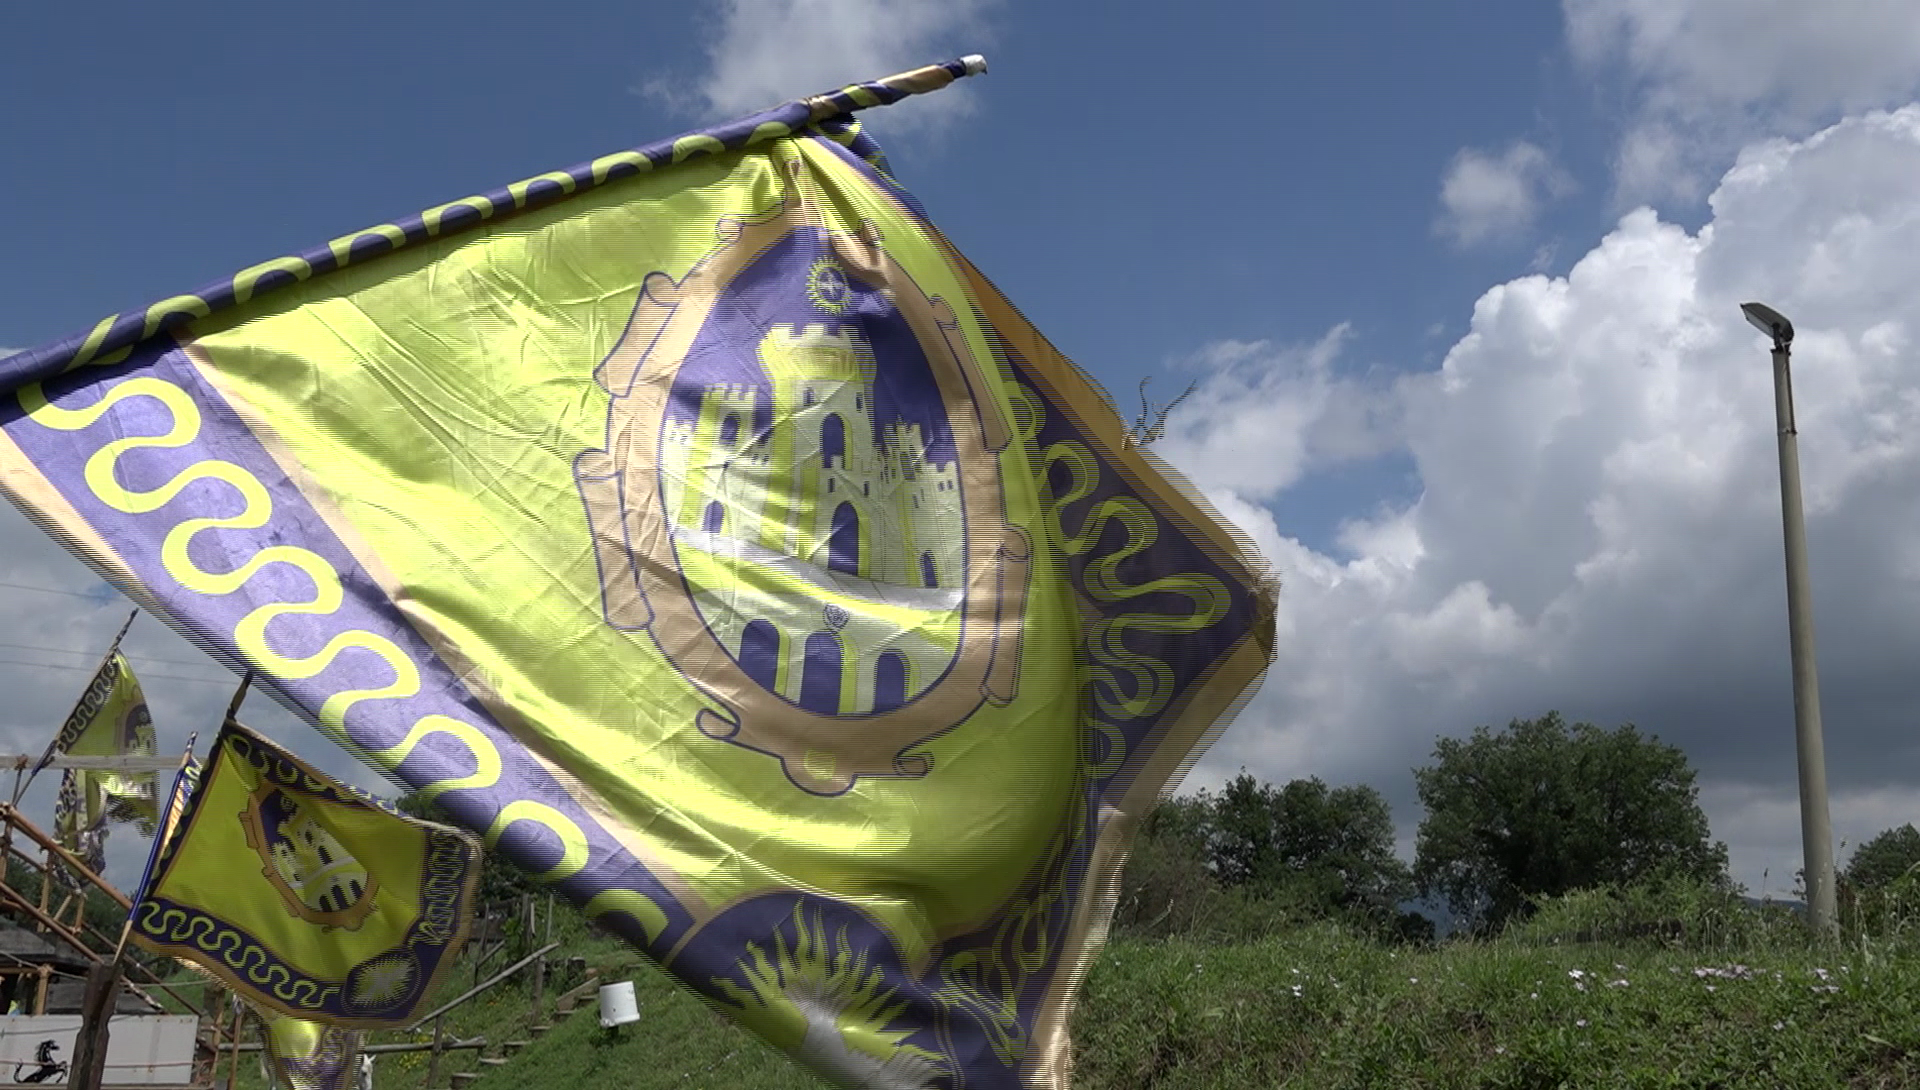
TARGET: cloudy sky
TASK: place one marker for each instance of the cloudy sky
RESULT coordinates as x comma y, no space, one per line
1459,289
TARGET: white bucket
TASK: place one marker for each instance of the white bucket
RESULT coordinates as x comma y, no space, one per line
617,1005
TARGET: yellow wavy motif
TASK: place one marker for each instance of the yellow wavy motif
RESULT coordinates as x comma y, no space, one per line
250,632
1150,679
235,951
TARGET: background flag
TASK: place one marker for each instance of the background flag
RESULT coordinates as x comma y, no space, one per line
305,897
307,1055
79,825
111,720
697,524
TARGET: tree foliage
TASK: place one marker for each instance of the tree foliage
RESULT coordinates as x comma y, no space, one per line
500,881
1883,860
1259,855
1332,846
1542,808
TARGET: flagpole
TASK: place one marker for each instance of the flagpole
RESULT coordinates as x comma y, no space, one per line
103,980
19,786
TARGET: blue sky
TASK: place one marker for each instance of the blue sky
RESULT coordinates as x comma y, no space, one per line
1455,280
1260,177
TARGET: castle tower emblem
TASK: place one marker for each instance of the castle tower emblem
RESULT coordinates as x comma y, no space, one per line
318,880
800,499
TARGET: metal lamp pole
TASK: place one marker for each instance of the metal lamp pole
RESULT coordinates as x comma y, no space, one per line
1816,832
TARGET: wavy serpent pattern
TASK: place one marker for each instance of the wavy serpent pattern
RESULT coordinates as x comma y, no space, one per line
250,633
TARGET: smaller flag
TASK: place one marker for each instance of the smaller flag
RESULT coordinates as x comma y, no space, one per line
302,1055
111,720
77,827
306,897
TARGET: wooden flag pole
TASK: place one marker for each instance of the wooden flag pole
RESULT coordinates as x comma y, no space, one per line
19,785
103,980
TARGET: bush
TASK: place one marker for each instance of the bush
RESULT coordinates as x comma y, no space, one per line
1165,889
1679,912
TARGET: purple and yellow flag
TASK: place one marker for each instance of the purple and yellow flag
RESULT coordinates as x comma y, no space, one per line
110,720
301,1055
700,527
303,896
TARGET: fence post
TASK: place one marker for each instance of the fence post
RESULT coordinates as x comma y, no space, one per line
96,1015
46,881
433,1059
539,986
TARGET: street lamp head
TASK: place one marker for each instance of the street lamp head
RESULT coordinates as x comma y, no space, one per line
1769,321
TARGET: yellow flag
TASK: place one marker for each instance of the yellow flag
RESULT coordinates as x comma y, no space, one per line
700,527
111,720
306,897
301,1055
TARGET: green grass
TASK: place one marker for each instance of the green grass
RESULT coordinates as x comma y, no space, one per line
1729,999
1320,1010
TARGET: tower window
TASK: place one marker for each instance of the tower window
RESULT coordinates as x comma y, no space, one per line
843,543
820,674
760,653
730,431
714,518
889,681
833,439
927,575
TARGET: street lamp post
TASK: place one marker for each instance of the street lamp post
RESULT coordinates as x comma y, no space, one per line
1816,834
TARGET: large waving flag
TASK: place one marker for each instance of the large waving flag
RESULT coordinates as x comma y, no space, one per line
698,525
305,897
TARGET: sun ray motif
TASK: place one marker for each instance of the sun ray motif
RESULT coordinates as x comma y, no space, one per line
831,1007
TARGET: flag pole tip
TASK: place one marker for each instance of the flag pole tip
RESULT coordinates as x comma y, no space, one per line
974,63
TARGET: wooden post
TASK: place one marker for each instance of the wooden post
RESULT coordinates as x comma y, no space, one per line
40,1000
219,1034
46,881
539,986
239,1020
433,1058
96,1012
6,837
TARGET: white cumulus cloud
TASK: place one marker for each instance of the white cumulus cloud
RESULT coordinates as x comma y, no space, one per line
1598,528
1265,414
1705,76
764,52
1486,196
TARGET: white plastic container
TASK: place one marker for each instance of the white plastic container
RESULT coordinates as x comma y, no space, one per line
617,1005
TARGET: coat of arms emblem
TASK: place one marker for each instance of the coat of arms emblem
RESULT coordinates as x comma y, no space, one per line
800,499
318,880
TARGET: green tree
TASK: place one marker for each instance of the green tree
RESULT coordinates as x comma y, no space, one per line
1328,847
500,881
1879,862
1166,888
1880,886
1543,808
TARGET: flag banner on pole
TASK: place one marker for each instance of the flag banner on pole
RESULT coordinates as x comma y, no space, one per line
111,720
172,809
305,896
298,1055
700,527
80,826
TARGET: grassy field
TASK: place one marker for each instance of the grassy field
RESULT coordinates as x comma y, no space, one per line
1723,998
